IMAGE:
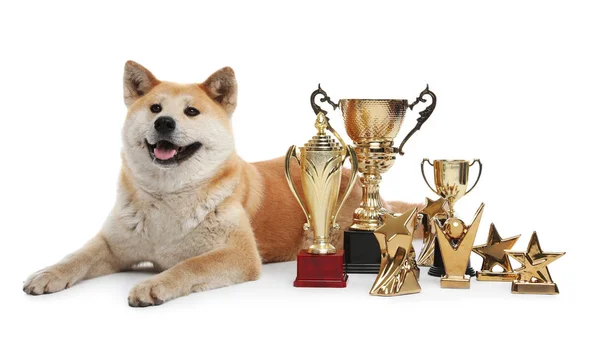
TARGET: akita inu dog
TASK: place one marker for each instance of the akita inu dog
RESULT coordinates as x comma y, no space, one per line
186,201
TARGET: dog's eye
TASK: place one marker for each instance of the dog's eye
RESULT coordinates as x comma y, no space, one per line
190,111
156,108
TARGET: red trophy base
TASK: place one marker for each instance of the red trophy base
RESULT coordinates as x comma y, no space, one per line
320,270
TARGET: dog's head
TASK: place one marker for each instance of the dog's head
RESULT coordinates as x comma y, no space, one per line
177,134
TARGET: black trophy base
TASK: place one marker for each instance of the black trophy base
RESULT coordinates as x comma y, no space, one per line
438,269
363,255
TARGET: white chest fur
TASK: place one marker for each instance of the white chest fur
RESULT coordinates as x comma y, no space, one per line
167,229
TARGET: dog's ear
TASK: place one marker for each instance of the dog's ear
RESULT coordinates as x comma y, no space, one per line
137,81
222,88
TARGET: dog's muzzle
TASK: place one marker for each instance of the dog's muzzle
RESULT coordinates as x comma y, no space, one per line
165,152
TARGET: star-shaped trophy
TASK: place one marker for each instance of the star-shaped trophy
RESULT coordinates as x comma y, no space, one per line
534,277
493,254
397,275
432,209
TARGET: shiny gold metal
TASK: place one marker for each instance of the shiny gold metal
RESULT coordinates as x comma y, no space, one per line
451,178
493,254
396,275
321,161
433,209
455,240
412,260
534,277
373,124
373,120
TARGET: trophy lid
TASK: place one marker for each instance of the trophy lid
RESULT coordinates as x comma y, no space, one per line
322,141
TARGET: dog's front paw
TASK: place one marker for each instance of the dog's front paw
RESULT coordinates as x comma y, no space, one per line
47,281
150,293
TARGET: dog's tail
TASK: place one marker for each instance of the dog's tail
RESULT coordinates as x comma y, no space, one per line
401,207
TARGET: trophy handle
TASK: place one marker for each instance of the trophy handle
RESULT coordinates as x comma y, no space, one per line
354,161
423,173
478,175
423,115
292,153
316,108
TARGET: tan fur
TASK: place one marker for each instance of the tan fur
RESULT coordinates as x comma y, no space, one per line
206,223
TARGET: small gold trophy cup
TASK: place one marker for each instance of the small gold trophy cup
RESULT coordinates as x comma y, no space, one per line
451,178
321,162
373,124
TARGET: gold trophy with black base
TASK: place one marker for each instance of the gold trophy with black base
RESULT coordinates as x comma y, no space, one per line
373,124
451,178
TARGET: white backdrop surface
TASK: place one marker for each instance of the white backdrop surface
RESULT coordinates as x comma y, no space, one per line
517,87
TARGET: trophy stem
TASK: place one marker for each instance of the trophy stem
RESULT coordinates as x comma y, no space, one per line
321,245
367,217
451,201
451,212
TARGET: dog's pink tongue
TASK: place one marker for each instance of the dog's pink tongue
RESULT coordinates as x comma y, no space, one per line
164,154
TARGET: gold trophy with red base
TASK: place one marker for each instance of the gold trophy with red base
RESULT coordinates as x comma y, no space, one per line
321,162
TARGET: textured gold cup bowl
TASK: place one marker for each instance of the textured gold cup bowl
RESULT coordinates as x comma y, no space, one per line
373,124
369,120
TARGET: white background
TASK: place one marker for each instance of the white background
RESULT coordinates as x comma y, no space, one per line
517,86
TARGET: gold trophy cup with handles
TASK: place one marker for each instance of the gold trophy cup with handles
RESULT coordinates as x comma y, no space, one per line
373,124
451,178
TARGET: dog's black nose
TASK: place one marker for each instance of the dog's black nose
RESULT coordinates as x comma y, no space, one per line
164,125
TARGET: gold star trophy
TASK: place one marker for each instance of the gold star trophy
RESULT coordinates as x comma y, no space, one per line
494,254
397,275
455,241
432,210
533,275
451,178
